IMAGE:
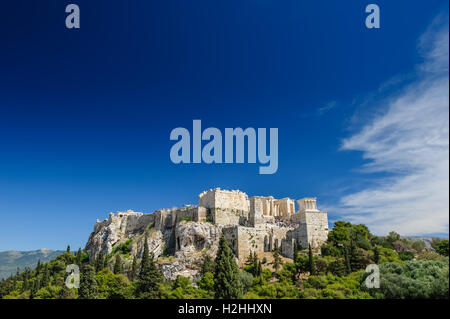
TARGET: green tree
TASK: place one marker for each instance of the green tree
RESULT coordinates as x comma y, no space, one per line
68,249
392,237
249,261
207,282
78,257
207,265
353,255
376,255
296,250
25,285
339,234
119,288
302,264
45,276
226,273
150,277
133,271
337,267
257,267
441,246
100,261
118,265
347,259
312,266
277,261
253,265
88,284
34,288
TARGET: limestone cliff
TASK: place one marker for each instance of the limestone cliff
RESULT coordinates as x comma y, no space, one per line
182,256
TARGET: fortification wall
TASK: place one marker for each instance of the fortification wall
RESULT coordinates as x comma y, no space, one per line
313,228
234,200
243,240
228,217
207,199
224,199
201,214
256,216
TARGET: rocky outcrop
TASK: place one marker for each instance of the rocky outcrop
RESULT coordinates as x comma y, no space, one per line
180,247
116,229
192,237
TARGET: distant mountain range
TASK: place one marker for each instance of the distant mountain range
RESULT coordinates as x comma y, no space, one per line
426,239
11,259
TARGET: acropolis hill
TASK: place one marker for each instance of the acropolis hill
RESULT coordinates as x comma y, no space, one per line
181,236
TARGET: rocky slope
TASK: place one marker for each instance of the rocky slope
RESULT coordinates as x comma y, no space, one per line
179,245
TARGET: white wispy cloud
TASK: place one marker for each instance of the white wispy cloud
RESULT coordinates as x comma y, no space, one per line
327,107
409,143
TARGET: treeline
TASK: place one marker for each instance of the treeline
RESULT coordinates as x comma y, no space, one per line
407,270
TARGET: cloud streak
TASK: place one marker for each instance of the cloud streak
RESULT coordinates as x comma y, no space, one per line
408,143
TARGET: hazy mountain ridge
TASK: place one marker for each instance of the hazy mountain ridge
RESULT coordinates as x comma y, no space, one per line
11,259
426,239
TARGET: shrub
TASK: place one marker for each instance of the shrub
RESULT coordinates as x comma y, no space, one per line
123,248
406,255
415,279
330,250
246,280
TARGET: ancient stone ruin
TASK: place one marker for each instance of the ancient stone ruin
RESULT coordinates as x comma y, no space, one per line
181,236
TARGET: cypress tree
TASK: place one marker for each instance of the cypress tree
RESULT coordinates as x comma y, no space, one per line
68,249
376,255
78,257
250,260
257,267
14,283
312,266
118,265
353,254
25,285
99,262
347,259
34,288
104,262
207,265
150,277
64,293
88,284
295,251
133,269
45,276
226,273
277,261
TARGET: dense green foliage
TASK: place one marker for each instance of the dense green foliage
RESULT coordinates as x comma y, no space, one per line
226,273
407,270
150,277
414,279
441,246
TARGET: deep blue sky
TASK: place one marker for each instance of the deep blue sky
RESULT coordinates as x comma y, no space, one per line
85,115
